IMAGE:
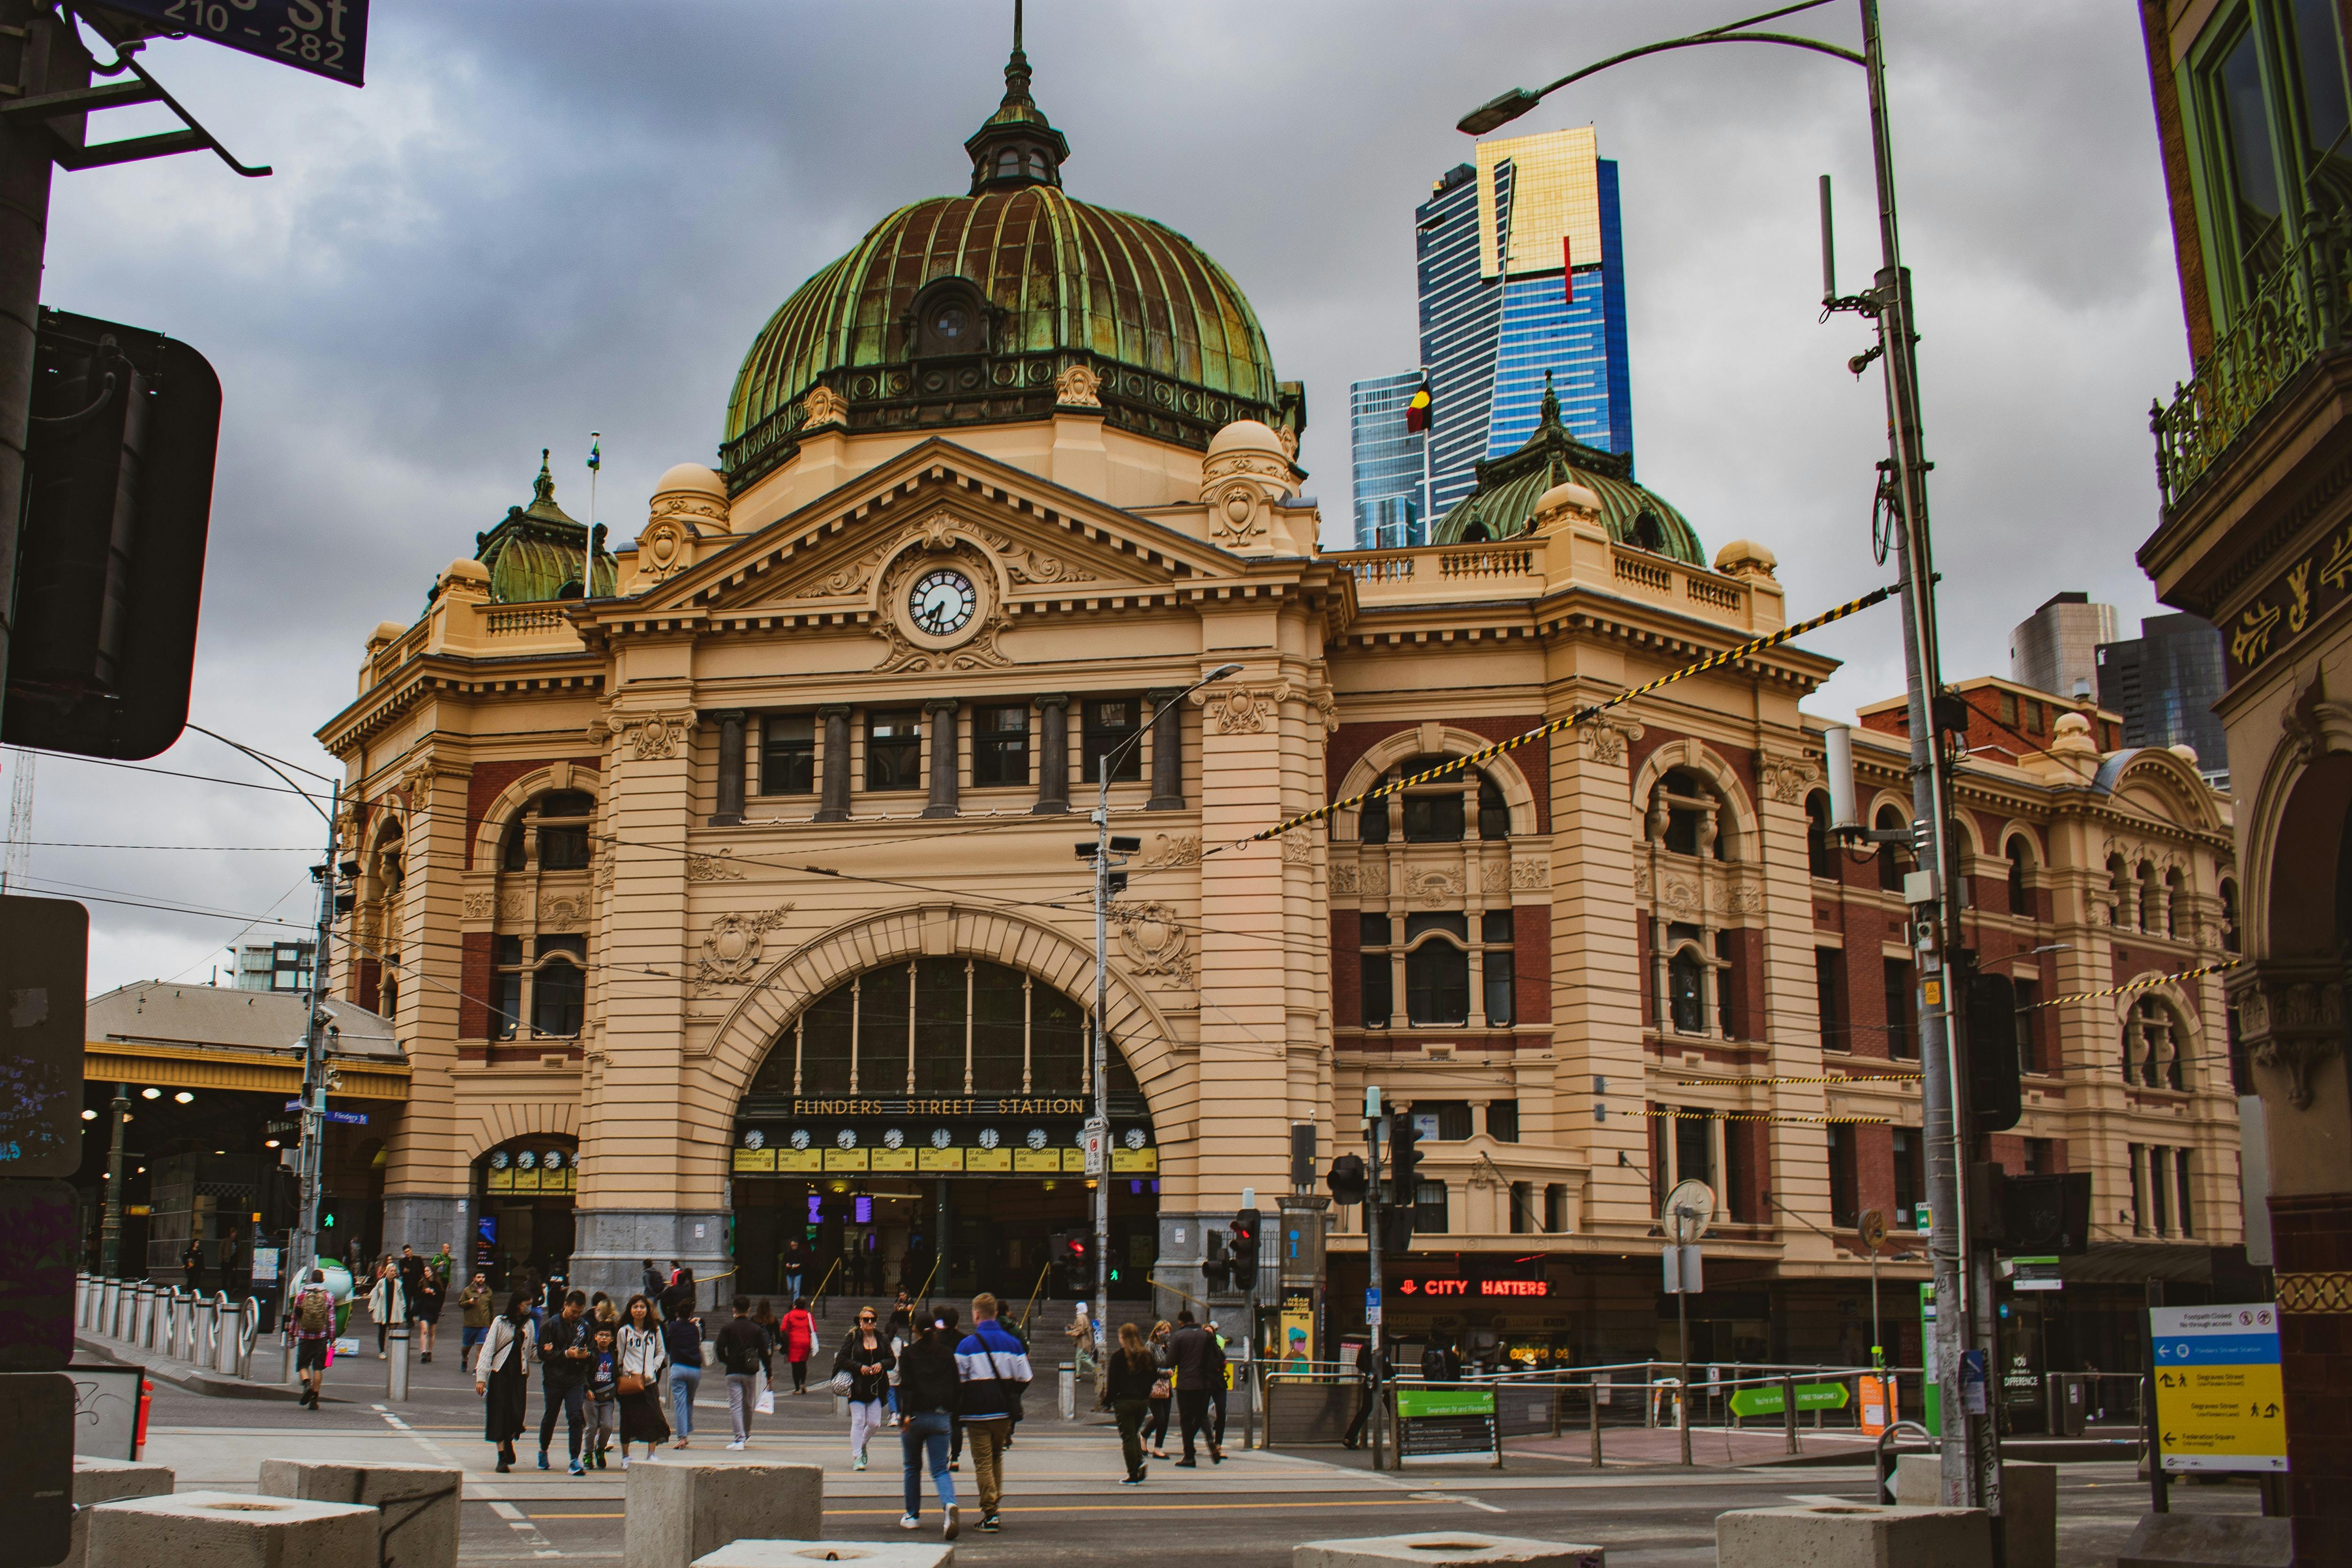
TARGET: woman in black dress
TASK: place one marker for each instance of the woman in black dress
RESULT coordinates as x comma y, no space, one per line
502,1375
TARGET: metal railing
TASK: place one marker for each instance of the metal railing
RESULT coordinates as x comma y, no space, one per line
2301,310
213,1333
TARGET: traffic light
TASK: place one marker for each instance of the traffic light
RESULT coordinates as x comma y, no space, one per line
1404,1158
1073,1255
1216,1266
1244,1234
1989,1022
1347,1180
118,498
2042,1215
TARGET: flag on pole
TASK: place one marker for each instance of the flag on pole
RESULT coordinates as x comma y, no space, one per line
1567,270
1417,411
595,449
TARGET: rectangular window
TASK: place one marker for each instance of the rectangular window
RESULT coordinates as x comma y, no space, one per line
2138,1192
1843,1185
1373,822
1433,819
1556,1208
2029,1027
1437,972
1429,1208
2033,718
1000,746
1828,997
1111,724
2008,708
1910,1180
2037,1157
506,1010
1523,1198
1694,1147
1378,979
788,754
1900,1041
558,985
2180,1166
1737,1179
1494,938
1503,1121
894,748
1441,1121
2159,1186
1726,986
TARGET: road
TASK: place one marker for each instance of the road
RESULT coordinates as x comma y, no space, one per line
1063,1505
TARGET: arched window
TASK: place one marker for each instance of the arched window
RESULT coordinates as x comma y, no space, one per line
1685,990
1037,170
2179,913
544,978
1008,163
551,833
1437,968
2154,1043
1440,811
2021,856
2124,915
1686,815
2230,917
1894,858
1820,848
1648,533
1493,812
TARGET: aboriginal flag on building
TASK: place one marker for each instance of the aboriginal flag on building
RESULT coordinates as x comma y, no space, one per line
1416,411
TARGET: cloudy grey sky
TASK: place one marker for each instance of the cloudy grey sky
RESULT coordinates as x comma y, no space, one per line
543,218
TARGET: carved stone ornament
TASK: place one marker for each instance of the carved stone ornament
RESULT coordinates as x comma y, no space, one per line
1153,940
1494,876
1680,896
1173,849
688,503
1372,876
563,911
1744,897
1530,873
1786,778
1299,848
2291,1017
1434,887
2314,724
1606,738
1343,877
651,736
1077,387
730,949
1328,704
850,579
481,906
514,906
1237,514
1239,710
1027,564
1641,880
713,868
823,406
661,550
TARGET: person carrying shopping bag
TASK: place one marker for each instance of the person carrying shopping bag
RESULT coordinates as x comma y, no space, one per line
645,1365
1163,1390
682,1338
861,1372
929,1394
502,1376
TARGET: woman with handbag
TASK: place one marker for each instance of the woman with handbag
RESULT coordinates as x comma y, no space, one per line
644,1362
502,1375
861,1374
1163,1397
387,1302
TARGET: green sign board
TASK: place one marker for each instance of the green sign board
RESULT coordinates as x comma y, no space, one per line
1810,1397
1424,1403
1932,1402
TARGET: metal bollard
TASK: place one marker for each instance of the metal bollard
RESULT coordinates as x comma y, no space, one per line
142,1303
224,1347
154,1311
1789,1409
81,1299
1593,1409
207,1332
249,1330
106,1305
395,1365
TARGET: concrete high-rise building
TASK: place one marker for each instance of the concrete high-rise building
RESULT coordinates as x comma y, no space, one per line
2056,649
1521,274
275,966
2165,683
1389,463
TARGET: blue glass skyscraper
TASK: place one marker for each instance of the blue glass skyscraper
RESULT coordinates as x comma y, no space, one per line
1389,463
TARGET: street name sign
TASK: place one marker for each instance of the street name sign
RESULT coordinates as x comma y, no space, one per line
325,37
1768,1401
2219,1404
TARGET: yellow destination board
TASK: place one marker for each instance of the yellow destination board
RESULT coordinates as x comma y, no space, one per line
2219,1404
893,1160
844,1159
800,1162
940,1160
984,1160
1135,1162
1034,1160
755,1160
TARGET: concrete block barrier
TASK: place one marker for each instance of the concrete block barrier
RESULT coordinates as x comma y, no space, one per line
2029,1504
797,1553
417,1505
107,1481
678,1513
2208,1541
230,1530
1853,1535
1446,1547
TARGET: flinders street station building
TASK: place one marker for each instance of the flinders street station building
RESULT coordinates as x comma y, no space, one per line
719,884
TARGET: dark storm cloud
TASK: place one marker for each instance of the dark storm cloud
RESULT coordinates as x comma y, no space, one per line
540,219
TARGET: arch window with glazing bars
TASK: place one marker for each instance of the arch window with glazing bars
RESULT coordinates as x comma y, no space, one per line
2155,1041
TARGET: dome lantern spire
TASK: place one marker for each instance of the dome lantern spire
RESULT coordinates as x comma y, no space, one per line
1017,146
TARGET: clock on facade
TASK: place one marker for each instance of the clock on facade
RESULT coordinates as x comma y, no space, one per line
754,1139
941,602
893,1138
526,1160
800,1137
1135,1139
499,1160
1037,1137
554,1159
988,1137
845,1138
941,1137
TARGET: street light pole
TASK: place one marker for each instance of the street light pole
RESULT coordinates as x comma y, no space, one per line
309,1166
1972,1464
1098,1129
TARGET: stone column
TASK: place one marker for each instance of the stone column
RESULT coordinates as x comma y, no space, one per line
833,797
730,769
1167,753
944,761
1053,754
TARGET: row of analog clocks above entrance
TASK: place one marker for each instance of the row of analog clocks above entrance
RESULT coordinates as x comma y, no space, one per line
896,1138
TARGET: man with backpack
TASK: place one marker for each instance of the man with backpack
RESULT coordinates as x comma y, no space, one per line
992,1367
310,1317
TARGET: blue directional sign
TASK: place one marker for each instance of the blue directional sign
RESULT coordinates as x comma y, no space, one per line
325,37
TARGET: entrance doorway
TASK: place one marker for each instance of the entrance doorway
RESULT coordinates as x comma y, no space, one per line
522,1214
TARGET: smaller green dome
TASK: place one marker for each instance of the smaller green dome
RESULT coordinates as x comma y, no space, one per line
1504,503
535,552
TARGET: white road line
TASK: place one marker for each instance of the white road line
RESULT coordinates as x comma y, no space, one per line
1820,1500
478,1488
1451,1497
540,1546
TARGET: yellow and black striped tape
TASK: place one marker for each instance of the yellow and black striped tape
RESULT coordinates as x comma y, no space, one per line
2148,984
1846,1078
1729,655
1767,1116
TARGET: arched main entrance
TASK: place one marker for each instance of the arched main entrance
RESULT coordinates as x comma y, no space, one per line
524,1190
929,1100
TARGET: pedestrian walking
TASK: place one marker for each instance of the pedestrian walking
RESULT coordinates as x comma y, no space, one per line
412,1285
993,1368
930,1390
796,1262
311,1319
603,1396
427,1307
1365,1365
652,1279
1189,1353
1128,1381
946,1321
798,1332
682,1338
564,1350
502,1376
387,1302
861,1371
644,1369
743,1349
1081,1335
1218,1370
479,1302
678,1297
1163,1388
764,1315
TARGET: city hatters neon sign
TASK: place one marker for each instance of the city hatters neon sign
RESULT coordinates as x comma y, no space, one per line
1011,1106
1418,1286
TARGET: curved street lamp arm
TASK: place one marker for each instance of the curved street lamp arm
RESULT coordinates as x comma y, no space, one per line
310,800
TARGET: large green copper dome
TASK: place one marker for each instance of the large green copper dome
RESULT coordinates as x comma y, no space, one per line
969,309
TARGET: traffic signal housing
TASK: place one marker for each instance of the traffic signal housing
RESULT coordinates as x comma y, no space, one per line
2047,1215
1216,1266
1404,1158
1244,1234
118,500
1073,1255
1349,1181
1989,1019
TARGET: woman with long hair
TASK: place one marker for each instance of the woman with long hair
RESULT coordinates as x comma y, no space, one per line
799,1333
643,1363
1128,1384
502,1375
1163,1397
387,1302
866,1359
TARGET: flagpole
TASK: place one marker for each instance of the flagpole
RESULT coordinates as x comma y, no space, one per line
595,469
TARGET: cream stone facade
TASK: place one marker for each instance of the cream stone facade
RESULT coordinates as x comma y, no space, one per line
728,871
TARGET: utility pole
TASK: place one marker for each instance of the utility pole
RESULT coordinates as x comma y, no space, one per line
109,1227
1374,1230
310,1162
